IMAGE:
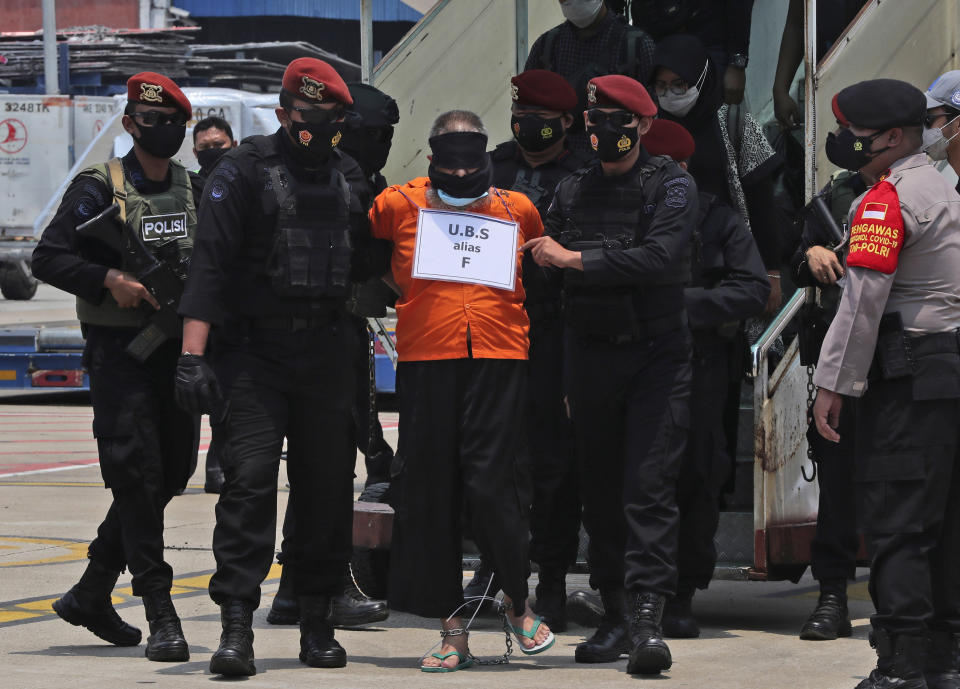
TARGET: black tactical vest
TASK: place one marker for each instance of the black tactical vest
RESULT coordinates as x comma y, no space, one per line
309,256
615,215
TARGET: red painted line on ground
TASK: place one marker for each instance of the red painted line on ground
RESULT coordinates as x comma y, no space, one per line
40,466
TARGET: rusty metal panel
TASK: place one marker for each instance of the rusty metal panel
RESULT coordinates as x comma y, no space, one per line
781,495
372,524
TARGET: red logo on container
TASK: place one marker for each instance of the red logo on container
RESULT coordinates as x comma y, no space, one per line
13,136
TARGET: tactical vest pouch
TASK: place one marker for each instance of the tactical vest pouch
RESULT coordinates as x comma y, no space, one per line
311,245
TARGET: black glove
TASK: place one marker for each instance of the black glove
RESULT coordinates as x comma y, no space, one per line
196,388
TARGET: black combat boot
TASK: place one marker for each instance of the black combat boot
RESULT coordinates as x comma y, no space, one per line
942,668
285,608
650,654
585,608
477,586
318,648
235,655
678,621
88,605
165,643
552,598
612,638
353,609
900,662
830,618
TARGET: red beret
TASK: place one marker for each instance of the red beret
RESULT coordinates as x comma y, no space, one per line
543,89
668,138
310,79
619,91
150,88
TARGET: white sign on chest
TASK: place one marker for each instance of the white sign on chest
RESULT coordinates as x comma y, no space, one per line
465,247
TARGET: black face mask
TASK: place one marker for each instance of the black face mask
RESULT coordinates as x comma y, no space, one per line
209,157
849,151
162,140
535,133
314,142
470,186
612,142
369,146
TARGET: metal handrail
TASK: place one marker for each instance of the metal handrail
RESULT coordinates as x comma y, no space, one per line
758,352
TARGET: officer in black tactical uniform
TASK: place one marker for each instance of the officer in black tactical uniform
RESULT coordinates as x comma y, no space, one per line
147,445
368,143
212,138
534,162
728,285
281,223
833,553
624,227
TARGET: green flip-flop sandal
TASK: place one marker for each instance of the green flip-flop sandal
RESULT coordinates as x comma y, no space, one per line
539,648
465,662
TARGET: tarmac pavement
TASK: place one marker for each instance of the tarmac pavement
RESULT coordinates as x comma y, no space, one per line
52,499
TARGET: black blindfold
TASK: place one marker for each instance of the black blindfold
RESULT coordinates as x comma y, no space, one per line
459,150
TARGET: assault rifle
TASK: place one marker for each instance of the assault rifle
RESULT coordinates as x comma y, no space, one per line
163,274
820,208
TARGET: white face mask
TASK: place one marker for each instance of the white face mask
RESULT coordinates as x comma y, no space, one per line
679,105
935,143
581,12
455,201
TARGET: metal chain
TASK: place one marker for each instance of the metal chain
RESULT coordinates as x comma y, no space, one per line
372,403
505,658
811,394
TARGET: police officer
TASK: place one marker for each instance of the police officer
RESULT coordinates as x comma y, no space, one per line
729,284
212,138
893,344
940,140
833,552
534,162
621,230
368,143
280,220
147,445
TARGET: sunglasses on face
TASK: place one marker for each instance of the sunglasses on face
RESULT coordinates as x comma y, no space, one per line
618,118
314,115
152,118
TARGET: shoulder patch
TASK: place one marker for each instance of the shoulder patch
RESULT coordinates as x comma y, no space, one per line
676,192
219,189
876,233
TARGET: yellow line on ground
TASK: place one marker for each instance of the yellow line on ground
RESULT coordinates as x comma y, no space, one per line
40,609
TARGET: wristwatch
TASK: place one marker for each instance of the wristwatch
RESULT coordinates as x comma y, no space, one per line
739,60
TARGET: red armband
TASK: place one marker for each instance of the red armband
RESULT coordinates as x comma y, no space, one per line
876,235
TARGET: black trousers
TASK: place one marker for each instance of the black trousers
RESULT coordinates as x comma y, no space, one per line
377,452
461,438
630,409
704,468
833,553
908,500
147,445
555,511
298,386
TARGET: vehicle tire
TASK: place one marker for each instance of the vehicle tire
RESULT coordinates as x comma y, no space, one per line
371,566
17,282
